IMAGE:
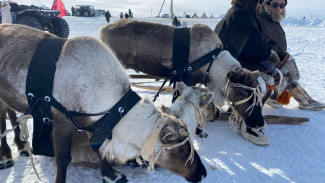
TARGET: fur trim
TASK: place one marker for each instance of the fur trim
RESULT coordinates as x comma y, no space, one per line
274,58
271,14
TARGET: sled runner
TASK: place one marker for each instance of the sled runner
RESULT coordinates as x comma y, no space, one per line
272,119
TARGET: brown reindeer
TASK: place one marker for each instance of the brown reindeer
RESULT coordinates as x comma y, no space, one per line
89,79
148,47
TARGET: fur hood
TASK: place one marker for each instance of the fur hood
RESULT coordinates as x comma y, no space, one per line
269,13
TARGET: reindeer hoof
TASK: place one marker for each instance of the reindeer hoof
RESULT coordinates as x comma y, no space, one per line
6,164
24,153
200,133
122,180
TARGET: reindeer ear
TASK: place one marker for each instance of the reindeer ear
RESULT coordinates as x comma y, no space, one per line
206,98
168,135
166,110
256,73
181,86
232,76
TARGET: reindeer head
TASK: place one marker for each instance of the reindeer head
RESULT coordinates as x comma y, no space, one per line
241,86
178,158
200,97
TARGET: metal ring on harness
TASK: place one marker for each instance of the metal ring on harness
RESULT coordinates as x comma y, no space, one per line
121,110
47,98
30,95
46,120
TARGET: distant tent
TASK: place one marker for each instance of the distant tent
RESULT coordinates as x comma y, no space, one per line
195,16
184,15
204,15
212,16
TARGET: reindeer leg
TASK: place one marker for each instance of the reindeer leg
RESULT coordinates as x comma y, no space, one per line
5,151
109,174
20,144
62,138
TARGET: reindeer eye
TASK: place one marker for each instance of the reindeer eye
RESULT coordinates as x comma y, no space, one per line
243,95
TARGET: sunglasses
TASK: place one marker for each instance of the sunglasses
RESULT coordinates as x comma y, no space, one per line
275,5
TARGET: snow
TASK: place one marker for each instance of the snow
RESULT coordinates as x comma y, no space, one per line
296,153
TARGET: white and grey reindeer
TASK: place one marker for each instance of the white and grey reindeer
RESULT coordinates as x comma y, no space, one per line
90,79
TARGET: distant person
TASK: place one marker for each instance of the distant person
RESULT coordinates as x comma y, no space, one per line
121,15
130,13
271,13
5,12
108,16
176,22
126,15
73,11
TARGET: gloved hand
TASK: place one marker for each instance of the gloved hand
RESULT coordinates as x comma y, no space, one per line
272,80
269,80
270,68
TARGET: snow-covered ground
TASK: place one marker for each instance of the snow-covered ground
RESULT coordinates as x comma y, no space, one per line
296,153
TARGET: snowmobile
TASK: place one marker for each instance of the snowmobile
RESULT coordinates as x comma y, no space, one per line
40,18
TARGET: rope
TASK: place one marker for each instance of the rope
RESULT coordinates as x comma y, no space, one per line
6,132
200,118
152,148
24,135
235,118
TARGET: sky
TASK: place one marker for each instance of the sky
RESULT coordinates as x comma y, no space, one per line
148,8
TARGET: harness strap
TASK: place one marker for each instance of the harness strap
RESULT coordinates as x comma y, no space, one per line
39,86
202,61
181,52
103,128
284,61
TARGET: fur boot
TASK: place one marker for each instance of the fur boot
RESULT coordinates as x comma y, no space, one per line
305,100
254,135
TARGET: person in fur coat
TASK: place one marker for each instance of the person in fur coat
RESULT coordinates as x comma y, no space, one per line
270,14
240,34
5,12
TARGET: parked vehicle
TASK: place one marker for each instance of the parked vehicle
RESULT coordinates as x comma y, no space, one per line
85,10
165,16
40,18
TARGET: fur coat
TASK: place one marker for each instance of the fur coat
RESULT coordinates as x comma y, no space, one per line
240,34
272,30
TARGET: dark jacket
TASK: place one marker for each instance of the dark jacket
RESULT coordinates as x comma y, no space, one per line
272,29
240,34
108,16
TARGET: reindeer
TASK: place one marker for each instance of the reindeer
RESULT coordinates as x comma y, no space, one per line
89,79
148,47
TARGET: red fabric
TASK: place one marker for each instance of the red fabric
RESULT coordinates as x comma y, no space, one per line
54,5
58,4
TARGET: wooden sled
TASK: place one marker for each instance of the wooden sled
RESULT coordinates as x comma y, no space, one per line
151,88
272,119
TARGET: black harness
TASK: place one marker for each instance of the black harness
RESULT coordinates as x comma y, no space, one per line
182,69
39,87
